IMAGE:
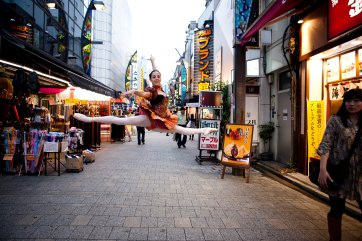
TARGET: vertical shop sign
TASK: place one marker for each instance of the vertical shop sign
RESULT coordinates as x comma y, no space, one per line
316,125
86,40
343,16
210,141
129,70
204,58
246,12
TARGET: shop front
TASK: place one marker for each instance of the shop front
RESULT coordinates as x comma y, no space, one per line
35,118
331,63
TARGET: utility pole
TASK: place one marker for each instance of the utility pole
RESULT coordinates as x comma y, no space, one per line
239,84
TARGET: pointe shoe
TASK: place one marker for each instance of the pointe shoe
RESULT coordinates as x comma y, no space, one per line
209,130
82,117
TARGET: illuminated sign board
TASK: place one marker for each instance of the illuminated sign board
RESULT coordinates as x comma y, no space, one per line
204,58
343,16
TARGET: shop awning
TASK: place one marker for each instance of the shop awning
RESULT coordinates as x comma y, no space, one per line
277,10
85,82
17,51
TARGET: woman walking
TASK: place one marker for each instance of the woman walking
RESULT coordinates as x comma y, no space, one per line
340,133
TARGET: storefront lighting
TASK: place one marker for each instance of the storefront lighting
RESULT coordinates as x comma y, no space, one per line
98,5
38,72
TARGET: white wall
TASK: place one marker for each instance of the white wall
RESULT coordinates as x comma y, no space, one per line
223,37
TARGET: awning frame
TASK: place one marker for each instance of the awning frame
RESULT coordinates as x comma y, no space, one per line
45,63
276,11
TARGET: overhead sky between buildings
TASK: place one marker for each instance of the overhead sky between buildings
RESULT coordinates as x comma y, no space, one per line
160,27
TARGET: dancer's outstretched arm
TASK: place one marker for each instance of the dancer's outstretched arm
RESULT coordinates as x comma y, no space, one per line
153,63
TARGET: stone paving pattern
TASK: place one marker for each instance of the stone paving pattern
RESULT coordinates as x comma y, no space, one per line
157,191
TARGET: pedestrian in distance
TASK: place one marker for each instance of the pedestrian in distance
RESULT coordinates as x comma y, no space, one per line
191,124
140,133
181,121
336,146
154,113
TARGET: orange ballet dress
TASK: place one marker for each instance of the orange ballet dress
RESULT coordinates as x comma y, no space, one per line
156,108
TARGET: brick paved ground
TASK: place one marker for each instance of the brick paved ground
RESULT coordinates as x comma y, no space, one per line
157,191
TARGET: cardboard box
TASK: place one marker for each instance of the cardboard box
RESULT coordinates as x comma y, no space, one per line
74,162
89,156
63,147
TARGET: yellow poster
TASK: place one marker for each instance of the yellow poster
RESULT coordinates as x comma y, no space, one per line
316,125
237,143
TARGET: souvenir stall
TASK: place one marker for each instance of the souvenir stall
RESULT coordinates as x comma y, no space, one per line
31,117
118,107
80,102
22,127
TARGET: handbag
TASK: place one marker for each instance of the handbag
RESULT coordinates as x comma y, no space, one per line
338,172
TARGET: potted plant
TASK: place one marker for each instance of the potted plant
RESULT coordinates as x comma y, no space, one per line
266,133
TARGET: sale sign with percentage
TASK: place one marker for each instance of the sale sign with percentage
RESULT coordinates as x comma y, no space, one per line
210,141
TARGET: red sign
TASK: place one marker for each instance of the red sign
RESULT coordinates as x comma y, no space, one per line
343,15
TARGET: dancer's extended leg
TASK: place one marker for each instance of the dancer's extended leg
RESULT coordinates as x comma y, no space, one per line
139,120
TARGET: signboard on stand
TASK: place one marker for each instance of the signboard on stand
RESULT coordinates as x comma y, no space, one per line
210,141
237,143
237,148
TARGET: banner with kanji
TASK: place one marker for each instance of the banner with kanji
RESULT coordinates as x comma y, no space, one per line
237,142
315,124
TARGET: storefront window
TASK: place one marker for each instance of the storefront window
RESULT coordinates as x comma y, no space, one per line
284,81
39,16
348,65
360,62
27,5
332,69
38,39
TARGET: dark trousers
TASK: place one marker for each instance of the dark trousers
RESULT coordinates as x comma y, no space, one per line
338,206
181,140
140,135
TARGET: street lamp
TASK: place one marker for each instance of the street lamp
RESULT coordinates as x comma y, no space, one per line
98,5
51,4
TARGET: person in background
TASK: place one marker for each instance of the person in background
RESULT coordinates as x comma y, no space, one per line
153,113
335,146
128,129
181,121
140,133
192,123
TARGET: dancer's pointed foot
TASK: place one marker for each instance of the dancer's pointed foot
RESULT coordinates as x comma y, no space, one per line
82,117
209,130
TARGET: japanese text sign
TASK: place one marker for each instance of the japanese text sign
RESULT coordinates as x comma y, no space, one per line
204,57
237,142
210,141
316,125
